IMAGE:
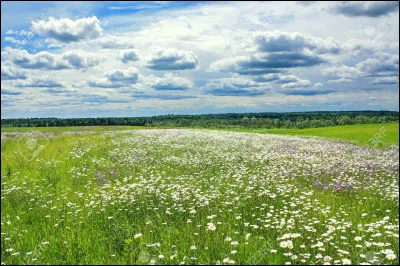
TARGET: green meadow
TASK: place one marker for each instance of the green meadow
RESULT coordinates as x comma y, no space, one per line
388,133
128,195
358,134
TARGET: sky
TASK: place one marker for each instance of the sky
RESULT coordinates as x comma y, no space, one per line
113,59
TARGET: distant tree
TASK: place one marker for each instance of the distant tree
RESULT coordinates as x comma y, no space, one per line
277,123
246,122
253,121
263,120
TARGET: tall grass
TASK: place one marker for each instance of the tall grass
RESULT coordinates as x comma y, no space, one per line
156,196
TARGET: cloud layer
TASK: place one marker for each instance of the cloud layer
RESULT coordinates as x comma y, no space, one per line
199,57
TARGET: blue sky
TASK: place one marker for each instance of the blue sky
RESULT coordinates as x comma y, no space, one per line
91,59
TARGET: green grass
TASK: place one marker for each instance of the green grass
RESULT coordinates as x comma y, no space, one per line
358,134
56,197
386,133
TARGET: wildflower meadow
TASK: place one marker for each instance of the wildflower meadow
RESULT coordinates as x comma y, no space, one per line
185,196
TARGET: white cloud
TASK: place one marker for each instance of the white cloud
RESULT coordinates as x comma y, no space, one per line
386,80
341,74
304,88
128,55
264,63
10,72
277,41
112,42
272,52
235,86
171,59
298,84
116,78
382,65
46,60
39,83
168,82
365,8
66,30
287,43
340,80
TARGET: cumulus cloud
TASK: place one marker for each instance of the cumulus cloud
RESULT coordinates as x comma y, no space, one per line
235,86
383,65
340,80
386,80
60,90
11,73
277,78
260,64
169,82
365,8
297,84
116,78
145,96
39,83
9,92
277,41
66,30
341,74
128,55
80,60
341,71
268,78
305,92
303,88
318,85
103,83
171,59
272,52
288,79
380,66
15,41
46,60
24,59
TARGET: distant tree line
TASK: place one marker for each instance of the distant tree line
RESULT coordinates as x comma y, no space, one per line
247,120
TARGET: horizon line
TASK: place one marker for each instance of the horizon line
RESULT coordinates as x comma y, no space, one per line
150,116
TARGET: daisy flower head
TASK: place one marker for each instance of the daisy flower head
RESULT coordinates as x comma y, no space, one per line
283,244
346,262
390,256
211,227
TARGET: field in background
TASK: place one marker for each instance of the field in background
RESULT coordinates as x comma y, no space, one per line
358,134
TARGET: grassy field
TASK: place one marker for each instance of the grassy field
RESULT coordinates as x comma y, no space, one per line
386,134
196,197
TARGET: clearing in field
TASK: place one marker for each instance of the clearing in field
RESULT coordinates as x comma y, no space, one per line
196,197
